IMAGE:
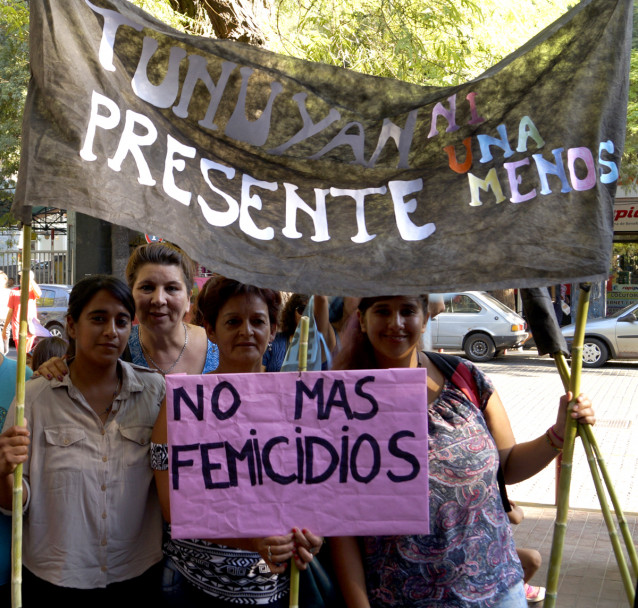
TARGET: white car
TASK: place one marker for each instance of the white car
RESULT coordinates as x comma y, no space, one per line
477,323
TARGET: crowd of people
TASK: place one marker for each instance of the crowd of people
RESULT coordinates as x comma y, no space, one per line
95,457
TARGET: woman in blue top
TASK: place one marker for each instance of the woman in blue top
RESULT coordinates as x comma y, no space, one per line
289,319
161,279
469,559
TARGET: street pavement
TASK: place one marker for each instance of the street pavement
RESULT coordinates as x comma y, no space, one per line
530,388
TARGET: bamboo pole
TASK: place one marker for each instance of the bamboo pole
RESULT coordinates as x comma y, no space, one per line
598,466
16,524
562,509
587,434
303,344
625,575
303,366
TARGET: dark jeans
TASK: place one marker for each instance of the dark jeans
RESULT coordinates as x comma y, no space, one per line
135,592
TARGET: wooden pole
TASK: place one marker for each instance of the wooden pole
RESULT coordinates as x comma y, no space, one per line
16,526
303,366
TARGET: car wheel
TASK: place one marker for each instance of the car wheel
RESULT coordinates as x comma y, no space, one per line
479,348
595,352
56,330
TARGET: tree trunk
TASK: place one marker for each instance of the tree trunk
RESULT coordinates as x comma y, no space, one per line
506,296
228,19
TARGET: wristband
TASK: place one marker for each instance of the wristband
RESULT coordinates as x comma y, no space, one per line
553,429
551,442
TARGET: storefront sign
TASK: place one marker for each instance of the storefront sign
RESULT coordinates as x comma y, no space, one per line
626,216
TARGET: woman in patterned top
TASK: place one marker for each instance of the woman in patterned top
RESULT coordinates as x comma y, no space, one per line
469,559
241,320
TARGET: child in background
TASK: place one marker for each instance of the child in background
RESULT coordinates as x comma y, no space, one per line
47,348
530,558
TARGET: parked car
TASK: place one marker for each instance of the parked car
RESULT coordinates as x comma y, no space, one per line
614,337
52,306
477,323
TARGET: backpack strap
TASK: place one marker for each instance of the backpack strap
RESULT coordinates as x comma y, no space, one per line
459,374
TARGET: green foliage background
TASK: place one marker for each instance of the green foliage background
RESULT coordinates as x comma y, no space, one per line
14,77
438,42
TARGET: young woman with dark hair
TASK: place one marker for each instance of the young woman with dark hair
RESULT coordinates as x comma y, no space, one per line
93,527
469,559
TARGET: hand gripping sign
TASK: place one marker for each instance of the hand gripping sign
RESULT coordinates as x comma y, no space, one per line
340,453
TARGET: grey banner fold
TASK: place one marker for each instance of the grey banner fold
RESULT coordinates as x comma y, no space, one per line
311,178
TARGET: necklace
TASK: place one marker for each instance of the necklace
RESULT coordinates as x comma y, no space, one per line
172,367
108,409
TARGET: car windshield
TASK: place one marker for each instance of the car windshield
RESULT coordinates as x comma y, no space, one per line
497,304
622,311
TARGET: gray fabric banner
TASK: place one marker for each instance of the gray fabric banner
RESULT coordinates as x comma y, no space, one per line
311,178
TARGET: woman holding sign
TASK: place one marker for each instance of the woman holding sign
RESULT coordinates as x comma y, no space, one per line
469,559
241,320
93,525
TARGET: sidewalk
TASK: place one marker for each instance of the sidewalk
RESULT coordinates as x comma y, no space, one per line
529,387
589,575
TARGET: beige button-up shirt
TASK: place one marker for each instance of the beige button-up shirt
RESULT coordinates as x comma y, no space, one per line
93,516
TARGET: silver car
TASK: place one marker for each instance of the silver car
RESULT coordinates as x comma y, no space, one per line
52,306
477,323
615,337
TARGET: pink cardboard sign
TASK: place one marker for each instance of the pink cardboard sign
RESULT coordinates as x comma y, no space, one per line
339,453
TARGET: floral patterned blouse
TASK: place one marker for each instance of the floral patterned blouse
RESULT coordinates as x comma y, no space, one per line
469,559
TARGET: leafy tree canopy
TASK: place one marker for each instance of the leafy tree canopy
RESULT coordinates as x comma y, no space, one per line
629,168
439,42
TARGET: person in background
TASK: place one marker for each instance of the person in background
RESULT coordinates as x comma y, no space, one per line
4,309
435,306
13,312
241,320
47,348
93,525
468,560
289,319
341,309
531,559
8,376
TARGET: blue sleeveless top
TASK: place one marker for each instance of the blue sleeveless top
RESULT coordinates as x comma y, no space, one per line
137,355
